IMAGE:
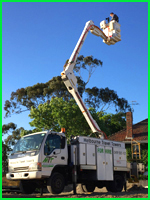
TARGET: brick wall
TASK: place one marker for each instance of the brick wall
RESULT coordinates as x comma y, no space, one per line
129,129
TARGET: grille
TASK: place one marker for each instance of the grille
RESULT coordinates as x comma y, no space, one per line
21,169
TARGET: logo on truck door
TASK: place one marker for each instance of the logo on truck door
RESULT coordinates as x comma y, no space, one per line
48,160
100,150
108,151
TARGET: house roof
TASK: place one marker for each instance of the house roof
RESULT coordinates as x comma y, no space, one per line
140,133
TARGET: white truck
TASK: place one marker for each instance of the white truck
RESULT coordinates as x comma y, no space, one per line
45,159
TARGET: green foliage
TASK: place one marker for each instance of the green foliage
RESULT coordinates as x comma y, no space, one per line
11,139
89,64
5,151
58,114
103,99
8,127
144,157
15,133
14,137
24,98
143,177
99,121
129,154
27,132
112,122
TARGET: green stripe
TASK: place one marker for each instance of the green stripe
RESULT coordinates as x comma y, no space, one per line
47,165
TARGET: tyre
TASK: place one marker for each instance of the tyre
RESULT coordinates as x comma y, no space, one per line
27,187
56,183
100,184
108,187
117,184
88,187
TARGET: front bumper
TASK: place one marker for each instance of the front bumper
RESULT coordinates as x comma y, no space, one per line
24,175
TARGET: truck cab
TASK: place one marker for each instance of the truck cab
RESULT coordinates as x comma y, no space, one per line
35,156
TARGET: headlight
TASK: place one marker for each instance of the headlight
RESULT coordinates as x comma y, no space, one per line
35,167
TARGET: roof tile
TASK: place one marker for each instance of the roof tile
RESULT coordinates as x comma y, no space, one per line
140,132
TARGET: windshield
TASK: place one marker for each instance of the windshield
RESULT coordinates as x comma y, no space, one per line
29,143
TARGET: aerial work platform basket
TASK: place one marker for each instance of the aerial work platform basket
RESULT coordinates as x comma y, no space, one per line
112,31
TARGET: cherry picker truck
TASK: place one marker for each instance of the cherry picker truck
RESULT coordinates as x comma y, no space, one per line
44,158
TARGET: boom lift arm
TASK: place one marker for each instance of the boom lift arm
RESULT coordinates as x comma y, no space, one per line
70,80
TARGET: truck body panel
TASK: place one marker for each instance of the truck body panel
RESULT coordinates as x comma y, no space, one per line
90,155
82,154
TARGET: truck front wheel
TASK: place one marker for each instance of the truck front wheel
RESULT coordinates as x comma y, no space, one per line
56,183
27,187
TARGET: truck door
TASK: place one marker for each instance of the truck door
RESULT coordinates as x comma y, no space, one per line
109,164
120,157
104,163
90,154
54,152
100,163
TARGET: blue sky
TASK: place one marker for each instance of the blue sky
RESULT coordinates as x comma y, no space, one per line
37,39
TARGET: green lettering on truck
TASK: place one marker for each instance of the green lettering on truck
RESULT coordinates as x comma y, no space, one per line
108,151
99,150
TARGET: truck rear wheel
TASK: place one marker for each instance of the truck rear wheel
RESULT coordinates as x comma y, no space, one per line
56,183
108,187
88,187
27,187
117,184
